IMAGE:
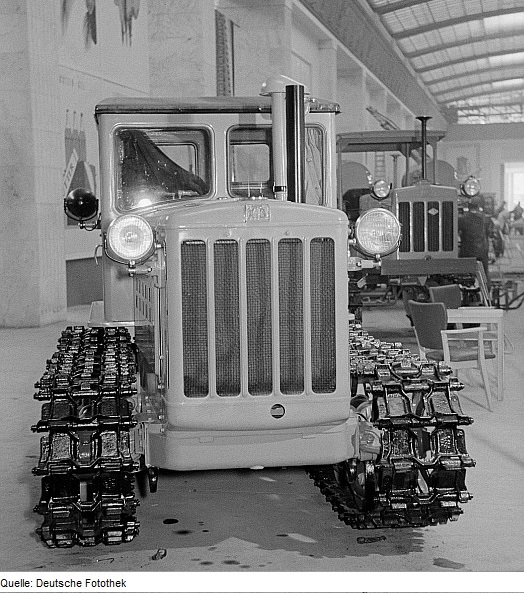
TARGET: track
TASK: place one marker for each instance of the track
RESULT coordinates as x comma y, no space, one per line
412,470
85,455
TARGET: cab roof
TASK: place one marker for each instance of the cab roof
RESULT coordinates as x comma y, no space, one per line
201,105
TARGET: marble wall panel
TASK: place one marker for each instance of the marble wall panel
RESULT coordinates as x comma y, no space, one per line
263,42
182,48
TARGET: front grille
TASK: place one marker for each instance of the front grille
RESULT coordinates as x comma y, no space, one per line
259,336
427,227
195,319
234,318
227,322
291,290
323,316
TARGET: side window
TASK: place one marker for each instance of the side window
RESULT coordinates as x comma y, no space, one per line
314,169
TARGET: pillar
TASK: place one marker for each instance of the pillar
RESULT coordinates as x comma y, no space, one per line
32,266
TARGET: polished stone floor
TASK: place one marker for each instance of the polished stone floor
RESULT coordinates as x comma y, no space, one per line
274,520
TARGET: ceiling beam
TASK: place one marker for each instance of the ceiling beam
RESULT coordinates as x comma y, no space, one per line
508,70
487,54
517,98
461,42
487,112
450,102
479,16
515,106
465,87
387,8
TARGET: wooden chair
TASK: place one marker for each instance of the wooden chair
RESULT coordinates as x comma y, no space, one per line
458,348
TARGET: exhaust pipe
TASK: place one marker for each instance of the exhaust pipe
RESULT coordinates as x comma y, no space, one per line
424,124
296,147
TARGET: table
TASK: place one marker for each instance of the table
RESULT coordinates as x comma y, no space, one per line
485,315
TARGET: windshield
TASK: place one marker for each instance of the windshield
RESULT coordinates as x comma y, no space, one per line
250,163
156,166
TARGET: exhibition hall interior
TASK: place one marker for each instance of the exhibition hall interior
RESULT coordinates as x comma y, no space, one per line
262,286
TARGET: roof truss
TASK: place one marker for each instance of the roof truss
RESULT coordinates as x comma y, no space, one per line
478,16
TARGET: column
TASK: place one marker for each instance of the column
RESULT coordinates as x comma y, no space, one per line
33,287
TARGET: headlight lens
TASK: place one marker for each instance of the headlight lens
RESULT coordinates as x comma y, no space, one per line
471,187
377,232
381,189
130,238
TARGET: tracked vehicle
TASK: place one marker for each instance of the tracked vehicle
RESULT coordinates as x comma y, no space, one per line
224,340
427,206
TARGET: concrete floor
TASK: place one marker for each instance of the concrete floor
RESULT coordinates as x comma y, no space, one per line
272,520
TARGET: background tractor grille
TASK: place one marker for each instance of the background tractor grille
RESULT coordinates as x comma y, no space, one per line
258,338
427,227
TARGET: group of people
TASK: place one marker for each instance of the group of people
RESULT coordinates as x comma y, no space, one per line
510,220
476,229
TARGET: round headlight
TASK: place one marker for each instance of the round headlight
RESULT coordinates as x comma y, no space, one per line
130,238
377,232
471,187
381,189
81,205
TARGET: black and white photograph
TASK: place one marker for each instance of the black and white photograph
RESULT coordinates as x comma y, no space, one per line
261,288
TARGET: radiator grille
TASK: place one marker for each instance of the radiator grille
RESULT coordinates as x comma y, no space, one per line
194,318
259,336
323,360
227,322
448,222
247,317
427,226
404,217
291,290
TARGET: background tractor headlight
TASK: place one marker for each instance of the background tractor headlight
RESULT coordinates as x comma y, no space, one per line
471,187
377,232
130,238
381,189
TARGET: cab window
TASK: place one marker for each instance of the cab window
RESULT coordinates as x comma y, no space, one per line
250,163
250,170
156,166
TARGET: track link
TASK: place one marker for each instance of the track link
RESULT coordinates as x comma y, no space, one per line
85,455
412,472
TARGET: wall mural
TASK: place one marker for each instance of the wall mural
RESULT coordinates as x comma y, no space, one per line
127,10
85,42
90,23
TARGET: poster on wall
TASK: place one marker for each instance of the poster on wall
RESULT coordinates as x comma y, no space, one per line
106,39
103,52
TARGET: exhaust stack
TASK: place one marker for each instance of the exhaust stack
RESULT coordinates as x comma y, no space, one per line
424,124
295,134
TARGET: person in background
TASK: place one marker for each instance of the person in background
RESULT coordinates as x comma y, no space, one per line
503,217
517,222
500,228
474,230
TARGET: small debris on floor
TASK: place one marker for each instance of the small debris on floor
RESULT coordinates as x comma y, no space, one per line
444,563
371,540
159,554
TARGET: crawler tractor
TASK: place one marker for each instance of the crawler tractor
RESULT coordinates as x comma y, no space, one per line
224,340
